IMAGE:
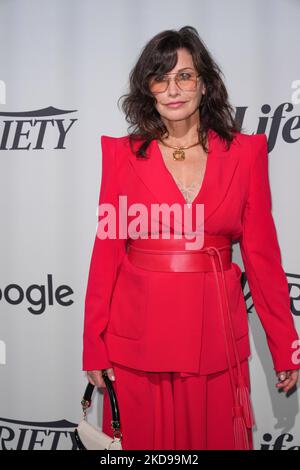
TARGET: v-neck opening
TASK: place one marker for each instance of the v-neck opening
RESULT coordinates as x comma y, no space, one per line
204,180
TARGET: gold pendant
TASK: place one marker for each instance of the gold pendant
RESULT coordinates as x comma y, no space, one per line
179,154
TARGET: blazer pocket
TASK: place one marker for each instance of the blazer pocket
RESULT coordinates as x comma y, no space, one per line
128,307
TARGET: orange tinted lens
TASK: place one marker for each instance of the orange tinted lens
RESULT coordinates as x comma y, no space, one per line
158,85
187,83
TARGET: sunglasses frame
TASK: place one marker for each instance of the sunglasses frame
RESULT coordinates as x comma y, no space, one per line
168,83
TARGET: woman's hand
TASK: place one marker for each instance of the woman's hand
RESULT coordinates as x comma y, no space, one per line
287,379
95,377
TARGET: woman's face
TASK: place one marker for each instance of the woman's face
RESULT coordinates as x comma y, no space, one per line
191,98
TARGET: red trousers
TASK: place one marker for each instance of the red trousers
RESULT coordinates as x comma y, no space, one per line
161,410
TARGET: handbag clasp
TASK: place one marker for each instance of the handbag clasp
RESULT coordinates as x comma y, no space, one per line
85,405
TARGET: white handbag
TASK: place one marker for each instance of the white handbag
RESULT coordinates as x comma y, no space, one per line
87,436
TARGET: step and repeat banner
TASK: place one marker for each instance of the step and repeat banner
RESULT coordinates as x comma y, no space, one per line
63,66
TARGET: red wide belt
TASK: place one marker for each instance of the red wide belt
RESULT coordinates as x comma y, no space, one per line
215,255
172,254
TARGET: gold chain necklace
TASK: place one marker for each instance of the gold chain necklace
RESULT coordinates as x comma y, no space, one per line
179,153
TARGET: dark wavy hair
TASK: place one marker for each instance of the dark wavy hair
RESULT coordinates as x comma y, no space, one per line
159,56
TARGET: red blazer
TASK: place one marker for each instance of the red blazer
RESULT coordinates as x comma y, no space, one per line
160,321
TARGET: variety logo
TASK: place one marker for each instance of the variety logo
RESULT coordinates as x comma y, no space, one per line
29,130
26,435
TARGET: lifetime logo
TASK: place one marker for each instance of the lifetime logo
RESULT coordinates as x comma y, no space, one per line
38,295
278,443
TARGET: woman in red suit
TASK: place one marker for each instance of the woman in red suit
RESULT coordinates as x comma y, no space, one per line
168,320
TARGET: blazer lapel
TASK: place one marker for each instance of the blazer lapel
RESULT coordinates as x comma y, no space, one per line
220,169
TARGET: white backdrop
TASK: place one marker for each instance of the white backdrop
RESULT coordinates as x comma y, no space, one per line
63,65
